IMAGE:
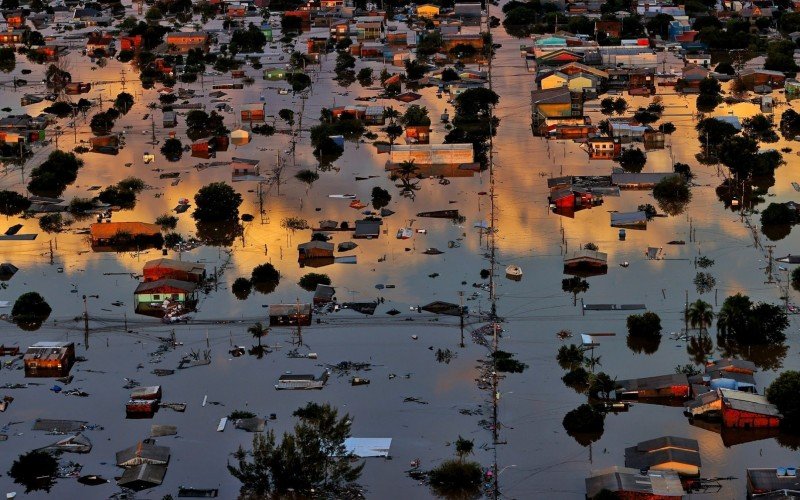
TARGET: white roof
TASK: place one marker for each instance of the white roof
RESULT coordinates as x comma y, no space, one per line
368,447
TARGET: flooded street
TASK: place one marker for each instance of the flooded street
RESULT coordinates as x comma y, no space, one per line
537,458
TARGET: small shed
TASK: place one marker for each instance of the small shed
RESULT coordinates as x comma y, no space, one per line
150,393
143,476
143,452
253,112
324,294
630,220
170,119
290,314
367,229
242,168
314,250
49,359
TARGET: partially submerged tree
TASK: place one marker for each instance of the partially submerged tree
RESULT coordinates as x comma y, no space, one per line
241,288
36,470
258,331
746,323
647,324
312,460
782,392
13,203
265,278
216,202
30,311
632,160
310,281
700,315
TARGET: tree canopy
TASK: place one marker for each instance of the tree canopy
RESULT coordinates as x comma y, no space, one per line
782,392
310,460
746,323
216,202
54,174
12,203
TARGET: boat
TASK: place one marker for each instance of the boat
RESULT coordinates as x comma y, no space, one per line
404,233
346,246
92,480
440,214
343,196
359,381
432,251
789,259
357,204
514,272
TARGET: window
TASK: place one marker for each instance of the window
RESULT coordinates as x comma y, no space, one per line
156,297
175,296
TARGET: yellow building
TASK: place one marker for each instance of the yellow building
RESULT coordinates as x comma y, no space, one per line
427,11
579,83
553,81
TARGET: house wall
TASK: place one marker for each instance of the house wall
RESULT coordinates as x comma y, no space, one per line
743,419
166,273
553,82
579,83
158,297
426,156
555,109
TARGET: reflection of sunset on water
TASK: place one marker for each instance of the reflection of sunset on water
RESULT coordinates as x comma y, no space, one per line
529,235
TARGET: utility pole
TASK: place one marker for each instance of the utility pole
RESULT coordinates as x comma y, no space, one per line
770,279
686,314
152,129
51,252
461,314
299,326
85,323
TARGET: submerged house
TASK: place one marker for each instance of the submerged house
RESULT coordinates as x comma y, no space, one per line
641,180
142,477
630,220
49,359
151,296
290,314
109,234
736,409
291,381
143,452
314,250
159,269
635,484
674,385
586,263
670,453
781,482
244,169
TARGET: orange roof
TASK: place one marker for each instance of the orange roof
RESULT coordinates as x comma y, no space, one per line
111,229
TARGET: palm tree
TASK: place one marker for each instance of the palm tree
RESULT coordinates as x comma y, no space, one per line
407,169
700,314
463,448
258,330
391,113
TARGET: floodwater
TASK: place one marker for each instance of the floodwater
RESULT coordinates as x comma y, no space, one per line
538,457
